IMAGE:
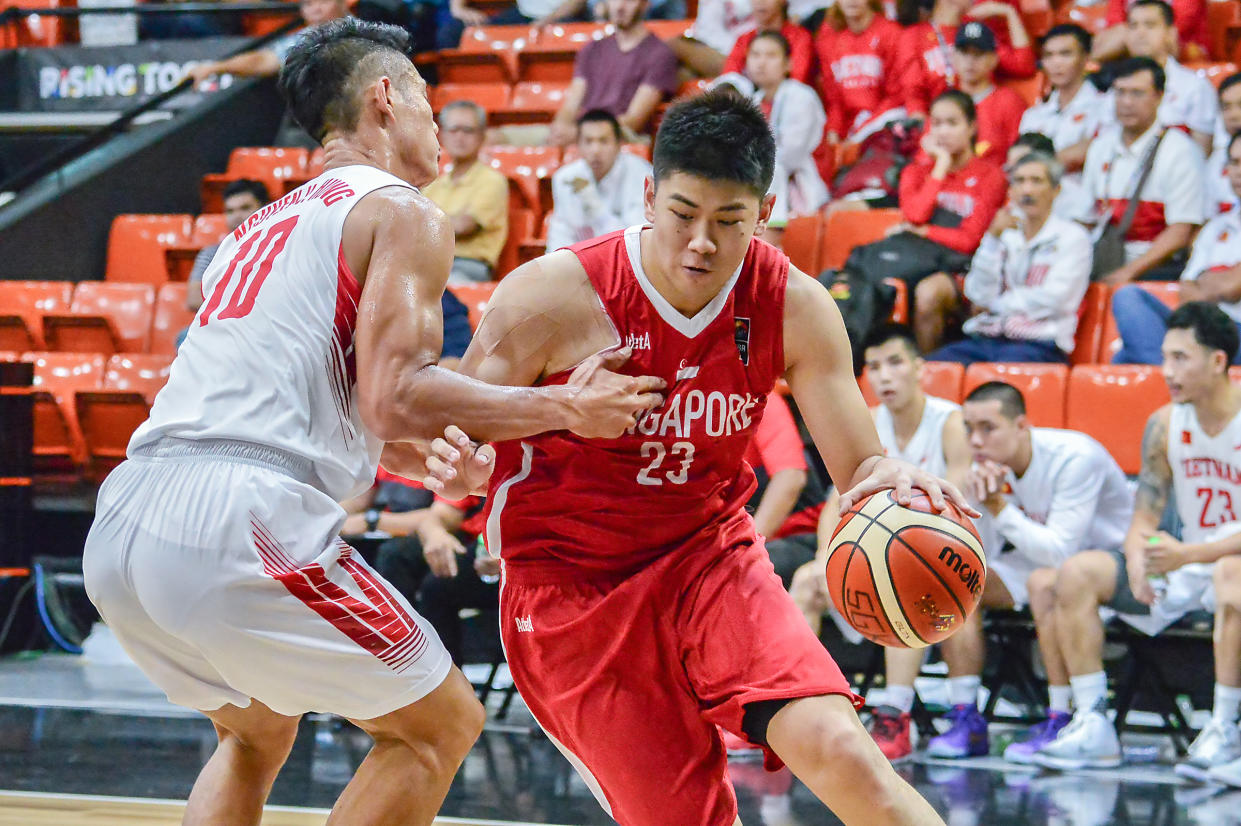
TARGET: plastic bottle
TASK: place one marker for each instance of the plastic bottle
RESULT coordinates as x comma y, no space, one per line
1158,582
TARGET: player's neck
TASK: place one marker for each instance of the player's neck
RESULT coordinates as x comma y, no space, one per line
905,421
686,297
860,23
1218,407
339,152
1025,452
1070,90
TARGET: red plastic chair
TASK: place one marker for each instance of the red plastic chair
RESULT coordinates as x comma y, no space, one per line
1091,319
490,96
108,417
496,38
475,298
520,227
1043,386
136,246
275,166
472,66
529,170
1112,403
103,318
939,378
846,230
22,305
58,442
170,318
532,103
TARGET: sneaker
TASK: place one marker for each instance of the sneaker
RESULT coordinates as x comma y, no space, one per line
967,737
1040,735
1076,801
890,730
1215,745
1228,773
1089,741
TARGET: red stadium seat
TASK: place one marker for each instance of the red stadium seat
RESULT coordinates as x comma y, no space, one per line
520,227
1169,292
801,242
846,230
141,373
103,318
1112,403
275,166
109,416
529,170
136,246
496,38
171,317
475,298
209,229
472,66
490,96
179,260
58,443
1043,385
22,305
570,35
1216,72
35,30
532,103
939,378
1092,18
1223,21
1091,319
668,29
1030,88
546,65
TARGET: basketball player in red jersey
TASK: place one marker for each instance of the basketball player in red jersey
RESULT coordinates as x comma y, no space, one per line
639,608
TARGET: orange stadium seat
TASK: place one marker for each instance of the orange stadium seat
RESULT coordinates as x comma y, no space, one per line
22,305
846,230
900,306
1169,292
547,65
532,103
275,166
1112,402
109,416
1043,385
103,318
1091,318
473,66
496,38
1223,23
136,245
668,29
521,226
939,378
35,30
490,96
1217,73
1030,88
58,443
570,35
475,298
801,242
179,260
1092,18
209,229
171,317
529,170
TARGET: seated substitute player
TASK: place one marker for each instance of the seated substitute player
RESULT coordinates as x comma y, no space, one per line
928,432
639,609
1045,494
1189,452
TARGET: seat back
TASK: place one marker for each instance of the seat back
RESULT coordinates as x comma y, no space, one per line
475,298
22,306
1112,403
270,164
57,376
1091,320
490,96
170,318
537,101
143,373
209,228
801,242
136,245
496,38
127,308
846,230
1169,292
520,227
1043,385
939,378
467,66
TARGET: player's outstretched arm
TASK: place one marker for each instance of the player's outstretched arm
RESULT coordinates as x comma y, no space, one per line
403,244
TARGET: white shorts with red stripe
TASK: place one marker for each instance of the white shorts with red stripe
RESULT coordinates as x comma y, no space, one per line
222,574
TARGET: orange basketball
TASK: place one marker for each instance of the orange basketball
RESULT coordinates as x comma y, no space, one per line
905,577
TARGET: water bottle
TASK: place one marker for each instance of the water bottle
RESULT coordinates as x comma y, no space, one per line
1158,582
480,549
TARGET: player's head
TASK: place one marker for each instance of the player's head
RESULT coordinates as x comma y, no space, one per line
712,166
893,366
954,122
463,128
1151,29
1065,53
242,198
1198,349
767,59
351,80
995,422
599,141
1230,103
1138,89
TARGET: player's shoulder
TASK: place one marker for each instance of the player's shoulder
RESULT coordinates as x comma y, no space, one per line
401,206
552,280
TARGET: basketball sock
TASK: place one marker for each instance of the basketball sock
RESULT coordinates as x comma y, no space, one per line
1227,701
901,698
1061,697
963,691
1088,689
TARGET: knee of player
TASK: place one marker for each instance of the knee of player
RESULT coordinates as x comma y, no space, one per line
934,290
1227,578
1042,589
1075,581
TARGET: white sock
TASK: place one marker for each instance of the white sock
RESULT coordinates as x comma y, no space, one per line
963,691
1061,697
901,697
1227,701
1088,689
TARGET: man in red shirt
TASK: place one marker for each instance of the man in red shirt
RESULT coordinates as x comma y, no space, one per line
999,108
1191,30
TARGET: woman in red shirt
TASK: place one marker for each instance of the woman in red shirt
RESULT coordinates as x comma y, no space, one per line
858,51
770,15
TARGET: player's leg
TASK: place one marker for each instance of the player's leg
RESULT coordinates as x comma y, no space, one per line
935,298
890,722
1042,595
1219,742
809,592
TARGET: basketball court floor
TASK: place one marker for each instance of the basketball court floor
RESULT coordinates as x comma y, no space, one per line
84,744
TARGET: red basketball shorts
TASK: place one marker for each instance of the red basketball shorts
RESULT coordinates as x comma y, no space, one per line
631,678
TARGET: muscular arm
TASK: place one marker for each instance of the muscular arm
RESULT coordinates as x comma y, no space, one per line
1154,483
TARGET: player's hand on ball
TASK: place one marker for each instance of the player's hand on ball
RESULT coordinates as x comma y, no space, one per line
902,477
458,467
604,403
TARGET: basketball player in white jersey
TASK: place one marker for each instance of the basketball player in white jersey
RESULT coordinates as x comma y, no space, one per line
1191,450
928,432
215,555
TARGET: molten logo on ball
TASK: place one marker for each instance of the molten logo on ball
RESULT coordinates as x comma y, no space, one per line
940,622
962,569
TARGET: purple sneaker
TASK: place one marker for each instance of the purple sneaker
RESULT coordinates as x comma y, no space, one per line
1037,737
966,738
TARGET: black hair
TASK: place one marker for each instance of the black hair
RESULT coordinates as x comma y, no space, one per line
1078,33
243,186
1036,142
718,137
775,37
884,333
323,71
1012,403
962,100
1166,10
1211,326
1130,66
602,116
1229,82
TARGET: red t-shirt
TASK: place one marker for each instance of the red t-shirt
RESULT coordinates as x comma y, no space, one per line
860,72
925,55
777,446
975,192
801,52
999,123
1190,17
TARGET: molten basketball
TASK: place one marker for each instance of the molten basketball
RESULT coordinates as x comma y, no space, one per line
905,577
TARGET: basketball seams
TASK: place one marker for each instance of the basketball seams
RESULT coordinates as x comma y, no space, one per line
947,585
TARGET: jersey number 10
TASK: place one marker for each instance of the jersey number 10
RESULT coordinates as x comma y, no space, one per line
252,264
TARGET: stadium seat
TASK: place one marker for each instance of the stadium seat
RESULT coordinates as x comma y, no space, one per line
1223,23
179,260
473,66
209,228
1112,402
521,226
801,242
22,305
490,96
546,65
668,29
171,317
846,230
900,305
1215,72
475,298
1169,292
570,35
1092,18
35,30
109,416
58,443
275,166
1030,88
141,373
939,378
1091,319
529,170
532,103
1043,385
496,38
136,245
103,318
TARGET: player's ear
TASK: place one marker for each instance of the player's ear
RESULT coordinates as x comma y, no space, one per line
648,199
380,94
765,207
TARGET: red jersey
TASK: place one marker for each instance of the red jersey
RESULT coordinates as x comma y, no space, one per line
861,72
560,505
1189,16
925,55
801,52
974,193
999,123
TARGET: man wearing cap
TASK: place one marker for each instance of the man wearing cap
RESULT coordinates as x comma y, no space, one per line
999,109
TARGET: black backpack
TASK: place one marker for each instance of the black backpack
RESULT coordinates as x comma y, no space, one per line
863,303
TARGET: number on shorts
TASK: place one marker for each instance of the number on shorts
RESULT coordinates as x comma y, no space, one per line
1224,511
656,452
253,272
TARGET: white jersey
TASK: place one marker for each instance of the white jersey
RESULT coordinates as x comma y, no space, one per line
925,448
1206,476
1078,120
269,357
1219,193
1218,246
1189,99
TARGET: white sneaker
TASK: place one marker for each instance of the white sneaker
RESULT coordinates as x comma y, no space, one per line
1088,742
1227,773
1215,745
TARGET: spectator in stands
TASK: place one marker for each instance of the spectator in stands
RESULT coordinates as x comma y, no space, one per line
1073,112
472,194
928,432
1170,205
771,16
858,50
1028,276
999,108
1220,194
627,74
948,195
1188,99
1189,453
393,506
1191,28
703,49
1212,274
540,13
1045,495
601,191
926,49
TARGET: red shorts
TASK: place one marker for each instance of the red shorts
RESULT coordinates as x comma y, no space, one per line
631,678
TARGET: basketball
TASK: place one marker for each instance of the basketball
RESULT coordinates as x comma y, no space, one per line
905,577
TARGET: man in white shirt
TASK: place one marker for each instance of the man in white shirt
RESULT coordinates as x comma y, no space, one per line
1220,195
601,191
1028,276
1074,111
1170,205
1188,99
1045,494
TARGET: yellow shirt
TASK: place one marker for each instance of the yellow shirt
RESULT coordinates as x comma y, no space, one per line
482,193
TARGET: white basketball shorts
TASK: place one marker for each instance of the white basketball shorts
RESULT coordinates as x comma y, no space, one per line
223,575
